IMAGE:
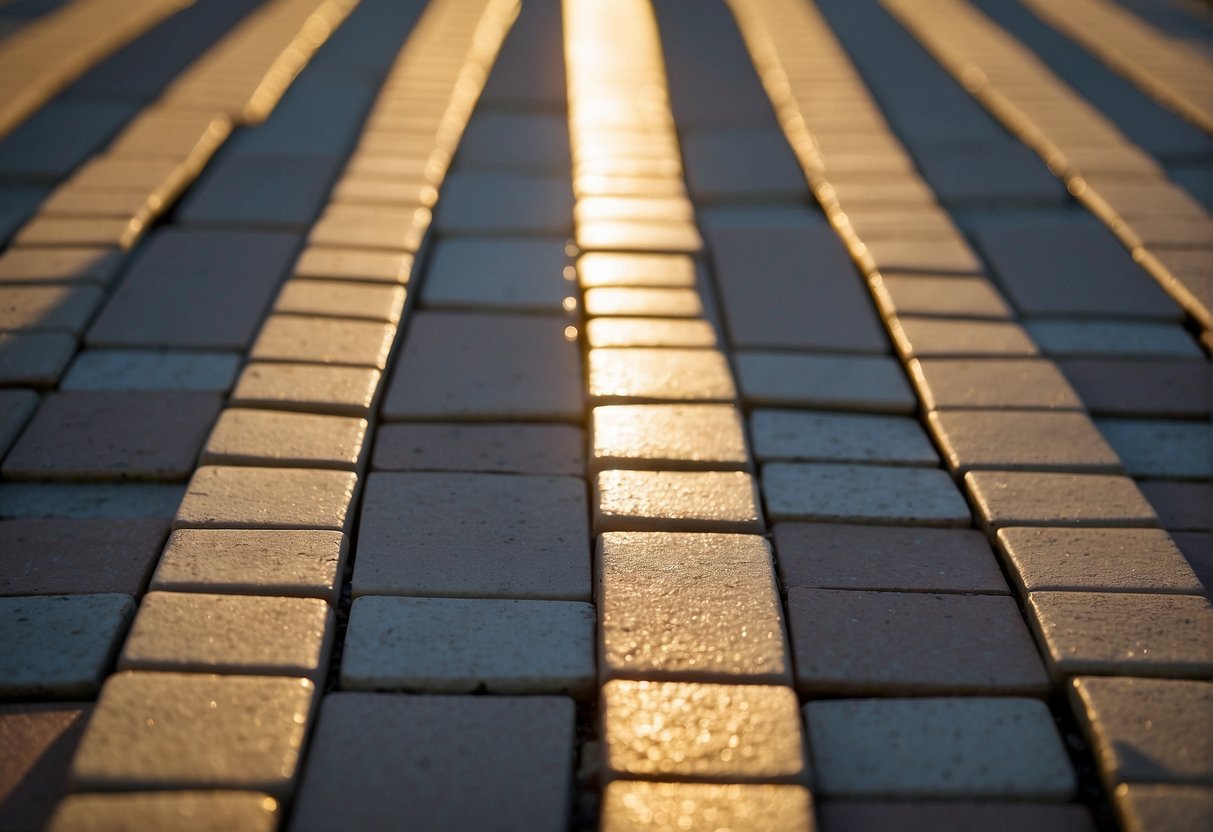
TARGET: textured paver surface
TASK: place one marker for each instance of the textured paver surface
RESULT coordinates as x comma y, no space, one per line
606,415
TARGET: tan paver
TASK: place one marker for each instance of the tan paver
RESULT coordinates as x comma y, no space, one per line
267,498
164,370
196,811
1021,440
649,332
839,556
378,760
555,450
626,301
692,730
347,391
862,494
835,382
901,643
667,437
725,501
1101,560
290,440
1125,634
63,556
462,645
36,746
22,266
357,264
951,296
636,806
299,339
610,269
341,299
1144,808
116,232
942,338
373,227
194,731
59,646
835,437
937,748
1030,498
1022,384
467,366
654,375
473,535
701,607
947,254
1147,730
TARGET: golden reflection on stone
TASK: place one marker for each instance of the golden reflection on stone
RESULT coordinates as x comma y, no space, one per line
705,807
668,435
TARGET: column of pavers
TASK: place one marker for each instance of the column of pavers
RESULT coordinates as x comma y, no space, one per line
1168,232
1169,69
1107,594
471,568
48,54
699,719
216,681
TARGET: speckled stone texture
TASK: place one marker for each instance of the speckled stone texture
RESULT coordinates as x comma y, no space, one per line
650,807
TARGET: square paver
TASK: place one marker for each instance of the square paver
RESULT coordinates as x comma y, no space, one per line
1162,449
158,731
131,370
632,806
821,381
345,391
191,810
668,436
649,332
65,556
474,535
945,338
701,607
59,646
306,340
238,634
725,501
881,643
839,556
462,645
1123,634
95,436
267,498
809,436
1023,384
555,450
1102,560
1147,730
291,440
653,375
466,366
38,741
699,731
938,748
1031,498
378,760
195,289
862,494
1017,440
497,273
950,296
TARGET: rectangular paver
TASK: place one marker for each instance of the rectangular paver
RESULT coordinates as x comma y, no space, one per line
862,494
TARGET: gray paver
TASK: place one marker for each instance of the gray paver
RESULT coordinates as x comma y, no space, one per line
638,375
1119,387
1161,449
742,163
945,338
497,273
1181,505
1106,339
21,266
1020,440
35,358
534,546
946,383
379,760
1033,498
16,407
835,382
61,556
341,299
122,500
48,308
38,741
649,332
461,645
834,437
480,201
950,296
953,816
126,370
555,450
863,494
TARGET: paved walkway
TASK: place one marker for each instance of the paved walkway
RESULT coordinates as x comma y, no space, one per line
607,414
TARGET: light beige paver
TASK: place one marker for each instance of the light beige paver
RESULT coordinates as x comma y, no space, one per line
473,535
461,645
1120,633
1025,384
950,296
35,358
22,266
902,643
1019,440
299,339
942,338
862,494
194,731
358,264
839,556
348,391
610,269
341,299
725,501
1147,730
291,440
379,761
1101,560
1164,449
1145,808
1100,339
59,646
698,731
521,274
1031,498
701,607
130,370
638,806
118,232
667,436
198,811
947,254
819,380
649,332
836,437
654,375
278,562
267,498
237,634
37,741
373,227
467,366
555,450
626,301
937,748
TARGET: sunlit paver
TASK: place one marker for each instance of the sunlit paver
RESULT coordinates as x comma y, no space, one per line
676,501
187,811
1143,807
292,440
656,375
267,498
1010,440
338,299
667,437
300,339
1028,498
949,296
945,383
311,388
633,806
